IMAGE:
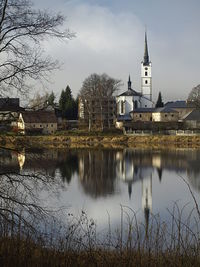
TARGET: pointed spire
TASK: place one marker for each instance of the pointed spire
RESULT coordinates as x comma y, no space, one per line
129,83
129,189
146,54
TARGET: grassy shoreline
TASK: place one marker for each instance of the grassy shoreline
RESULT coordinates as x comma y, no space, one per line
115,141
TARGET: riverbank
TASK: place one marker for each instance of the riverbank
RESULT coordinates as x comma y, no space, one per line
24,252
61,141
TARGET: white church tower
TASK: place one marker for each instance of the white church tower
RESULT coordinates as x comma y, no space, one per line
146,78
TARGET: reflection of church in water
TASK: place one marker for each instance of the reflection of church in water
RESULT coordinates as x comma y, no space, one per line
100,170
131,171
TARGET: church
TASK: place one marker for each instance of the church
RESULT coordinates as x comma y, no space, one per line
131,100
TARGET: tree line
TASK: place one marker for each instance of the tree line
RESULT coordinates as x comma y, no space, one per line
67,104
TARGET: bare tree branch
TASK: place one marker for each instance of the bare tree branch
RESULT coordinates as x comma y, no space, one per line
22,31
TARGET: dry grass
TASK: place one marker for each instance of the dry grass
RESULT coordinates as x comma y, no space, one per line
68,140
172,243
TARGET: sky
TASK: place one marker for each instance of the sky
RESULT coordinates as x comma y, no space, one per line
110,39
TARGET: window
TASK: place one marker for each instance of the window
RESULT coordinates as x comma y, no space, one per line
146,73
135,104
34,125
122,107
146,68
51,125
40,125
145,106
140,115
47,125
172,115
146,81
165,115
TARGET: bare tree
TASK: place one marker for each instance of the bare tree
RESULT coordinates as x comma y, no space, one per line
96,96
22,31
194,97
39,101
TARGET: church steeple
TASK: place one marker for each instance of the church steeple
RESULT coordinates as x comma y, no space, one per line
129,82
146,54
146,78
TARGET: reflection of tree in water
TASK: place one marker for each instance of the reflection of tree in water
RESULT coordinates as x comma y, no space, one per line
193,170
69,165
97,171
21,204
8,161
48,160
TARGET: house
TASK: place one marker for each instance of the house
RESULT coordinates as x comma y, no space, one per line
9,111
182,107
163,114
37,122
192,121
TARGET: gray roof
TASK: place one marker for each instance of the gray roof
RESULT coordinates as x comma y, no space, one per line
143,110
154,110
193,116
131,92
177,104
10,104
39,117
165,110
125,117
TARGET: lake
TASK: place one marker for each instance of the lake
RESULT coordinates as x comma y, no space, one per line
106,183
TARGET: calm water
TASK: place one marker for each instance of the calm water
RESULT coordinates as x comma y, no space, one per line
101,181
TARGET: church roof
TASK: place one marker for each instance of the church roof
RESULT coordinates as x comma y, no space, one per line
146,54
131,92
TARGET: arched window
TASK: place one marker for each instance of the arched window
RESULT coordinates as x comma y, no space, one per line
146,73
122,107
146,81
135,104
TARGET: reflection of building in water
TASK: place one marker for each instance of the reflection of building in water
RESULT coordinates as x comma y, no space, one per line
43,161
21,158
97,171
147,198
131,169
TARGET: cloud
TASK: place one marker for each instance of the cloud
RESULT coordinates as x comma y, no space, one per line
105,42
112,41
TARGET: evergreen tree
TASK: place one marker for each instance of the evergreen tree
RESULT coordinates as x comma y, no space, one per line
67,104
159,103
51,99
